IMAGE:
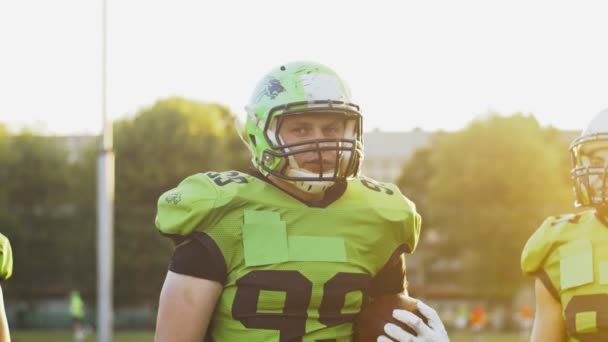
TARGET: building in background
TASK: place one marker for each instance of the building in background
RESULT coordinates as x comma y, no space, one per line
387,152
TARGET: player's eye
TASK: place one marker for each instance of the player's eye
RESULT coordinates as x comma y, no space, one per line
300,131
331,131
597,162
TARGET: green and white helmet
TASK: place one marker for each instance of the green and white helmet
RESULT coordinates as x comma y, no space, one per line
590,179
294,89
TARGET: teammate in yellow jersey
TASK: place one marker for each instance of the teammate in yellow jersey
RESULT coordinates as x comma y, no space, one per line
568,254
6,270
292,249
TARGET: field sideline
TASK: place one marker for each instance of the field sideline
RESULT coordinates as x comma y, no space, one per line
146,336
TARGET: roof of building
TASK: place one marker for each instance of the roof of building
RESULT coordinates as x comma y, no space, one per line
397,145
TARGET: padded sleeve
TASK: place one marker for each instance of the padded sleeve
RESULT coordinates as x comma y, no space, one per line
199,257
183,209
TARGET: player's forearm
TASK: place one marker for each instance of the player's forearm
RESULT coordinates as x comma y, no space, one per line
4,330
548,322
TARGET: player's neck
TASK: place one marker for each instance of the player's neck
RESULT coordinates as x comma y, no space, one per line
602,214
295,191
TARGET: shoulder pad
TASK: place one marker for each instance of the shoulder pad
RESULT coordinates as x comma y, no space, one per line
184,208
413,220
394,206
6,258
543,241
382,193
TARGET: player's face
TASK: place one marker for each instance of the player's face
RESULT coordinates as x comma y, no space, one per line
597,159
311,127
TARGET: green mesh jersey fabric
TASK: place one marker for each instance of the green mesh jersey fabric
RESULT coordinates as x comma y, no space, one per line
569,253
294,272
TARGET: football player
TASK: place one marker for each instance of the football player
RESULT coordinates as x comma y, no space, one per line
291,249
568,254
6,270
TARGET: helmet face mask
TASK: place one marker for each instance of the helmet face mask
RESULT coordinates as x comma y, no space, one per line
589,157
287,106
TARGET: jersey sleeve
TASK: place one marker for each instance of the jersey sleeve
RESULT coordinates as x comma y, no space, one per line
412,226
199,257
538,247
190,205
6,258
544,253
396,209
410,220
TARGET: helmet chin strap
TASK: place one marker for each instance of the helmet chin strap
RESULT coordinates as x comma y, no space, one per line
312,187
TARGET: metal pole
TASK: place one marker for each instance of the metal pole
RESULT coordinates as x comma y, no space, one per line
105,207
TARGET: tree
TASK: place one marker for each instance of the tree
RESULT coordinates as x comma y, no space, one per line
155,150
5,160
38,212
48,201
487,188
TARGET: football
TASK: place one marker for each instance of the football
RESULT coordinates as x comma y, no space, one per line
370,322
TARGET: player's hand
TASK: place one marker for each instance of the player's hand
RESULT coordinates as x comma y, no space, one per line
433,332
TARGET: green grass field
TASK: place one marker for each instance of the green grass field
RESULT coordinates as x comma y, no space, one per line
66,336
145,336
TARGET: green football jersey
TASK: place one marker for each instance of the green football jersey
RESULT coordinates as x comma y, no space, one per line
294,272
569,253
6,258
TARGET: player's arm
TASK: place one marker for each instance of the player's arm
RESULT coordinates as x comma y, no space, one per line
548,320
4,330
6,270
197,271
391,278
192,288
185,308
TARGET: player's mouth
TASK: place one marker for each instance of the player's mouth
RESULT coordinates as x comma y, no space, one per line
319,166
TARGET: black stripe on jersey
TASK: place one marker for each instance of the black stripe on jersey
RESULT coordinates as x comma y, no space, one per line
587,303
544,278
200,258
391,278
331,195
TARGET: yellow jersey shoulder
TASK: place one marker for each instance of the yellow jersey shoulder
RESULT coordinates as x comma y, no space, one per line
551,233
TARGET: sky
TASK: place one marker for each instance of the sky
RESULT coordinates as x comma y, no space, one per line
410,64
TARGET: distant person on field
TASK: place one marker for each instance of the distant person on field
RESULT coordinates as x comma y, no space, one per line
77,314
